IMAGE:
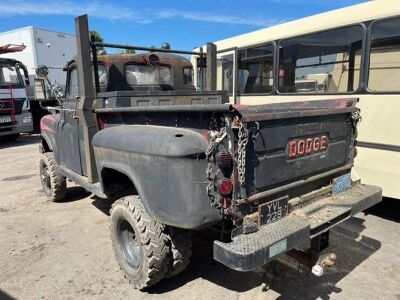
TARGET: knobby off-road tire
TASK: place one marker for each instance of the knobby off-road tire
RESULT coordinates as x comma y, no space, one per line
140,244
181,251
53,183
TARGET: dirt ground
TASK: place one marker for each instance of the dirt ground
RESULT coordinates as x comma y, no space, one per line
63,251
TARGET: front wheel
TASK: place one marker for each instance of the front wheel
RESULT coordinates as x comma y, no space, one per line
140,244
53,183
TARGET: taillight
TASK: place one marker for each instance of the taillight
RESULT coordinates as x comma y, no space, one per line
225,162
225,187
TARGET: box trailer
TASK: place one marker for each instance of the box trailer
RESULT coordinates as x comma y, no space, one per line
42,47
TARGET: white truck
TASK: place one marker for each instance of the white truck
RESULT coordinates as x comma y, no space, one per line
14,105
42,47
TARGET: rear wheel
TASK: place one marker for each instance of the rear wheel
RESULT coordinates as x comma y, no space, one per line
140,244
53,183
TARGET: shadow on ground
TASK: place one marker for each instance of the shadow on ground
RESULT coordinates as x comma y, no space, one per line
388,209
104,205
75,193
5,296
22,140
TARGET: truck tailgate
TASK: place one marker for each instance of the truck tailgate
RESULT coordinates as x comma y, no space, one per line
296,140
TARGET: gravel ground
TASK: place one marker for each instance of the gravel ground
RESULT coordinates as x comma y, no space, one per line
63,251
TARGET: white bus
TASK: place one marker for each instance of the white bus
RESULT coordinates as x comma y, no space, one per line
348,52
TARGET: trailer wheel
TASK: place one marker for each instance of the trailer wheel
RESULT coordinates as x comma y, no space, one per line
53,183
181,251
140,244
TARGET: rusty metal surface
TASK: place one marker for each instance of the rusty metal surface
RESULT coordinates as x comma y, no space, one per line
167,168
246,252
252,113
115,65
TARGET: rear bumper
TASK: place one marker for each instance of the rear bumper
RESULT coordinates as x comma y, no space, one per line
23,123
250,251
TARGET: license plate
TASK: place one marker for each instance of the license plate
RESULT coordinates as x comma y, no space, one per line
5,119
341,183
272,211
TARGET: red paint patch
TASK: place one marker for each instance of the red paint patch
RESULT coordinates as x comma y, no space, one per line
44,126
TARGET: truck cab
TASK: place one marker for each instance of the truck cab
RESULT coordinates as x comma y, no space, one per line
275,178
14,105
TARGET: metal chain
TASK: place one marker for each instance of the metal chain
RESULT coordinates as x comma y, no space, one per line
211,172
215,140
356,116
242,143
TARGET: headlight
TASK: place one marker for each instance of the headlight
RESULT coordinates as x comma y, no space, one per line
27,120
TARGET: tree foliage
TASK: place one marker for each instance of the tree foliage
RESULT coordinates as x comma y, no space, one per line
130,51
97,37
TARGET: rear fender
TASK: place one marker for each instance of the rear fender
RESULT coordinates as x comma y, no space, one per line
167,167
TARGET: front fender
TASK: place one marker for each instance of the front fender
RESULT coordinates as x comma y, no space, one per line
168,168
48,131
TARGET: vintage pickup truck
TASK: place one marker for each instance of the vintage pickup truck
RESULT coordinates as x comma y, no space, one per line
175,160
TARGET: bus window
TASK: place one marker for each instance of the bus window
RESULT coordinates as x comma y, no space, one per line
256,65
384,59
325,62
201,72
226,63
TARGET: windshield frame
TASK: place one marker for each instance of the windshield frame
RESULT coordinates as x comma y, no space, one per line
20,81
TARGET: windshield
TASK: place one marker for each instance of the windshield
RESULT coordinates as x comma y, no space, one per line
9,75
148,75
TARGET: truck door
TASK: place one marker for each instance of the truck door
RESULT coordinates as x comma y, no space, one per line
68,127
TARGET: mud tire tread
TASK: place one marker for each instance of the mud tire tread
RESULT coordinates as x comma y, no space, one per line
58,182
154,241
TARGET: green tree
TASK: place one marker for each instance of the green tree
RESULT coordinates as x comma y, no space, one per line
97,38
130,51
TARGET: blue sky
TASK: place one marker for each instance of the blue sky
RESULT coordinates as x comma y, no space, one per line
184,24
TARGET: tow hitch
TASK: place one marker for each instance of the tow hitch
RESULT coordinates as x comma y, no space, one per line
324,261
313,258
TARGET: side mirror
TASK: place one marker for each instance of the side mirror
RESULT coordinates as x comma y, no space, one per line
58,92
42,71
40,90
